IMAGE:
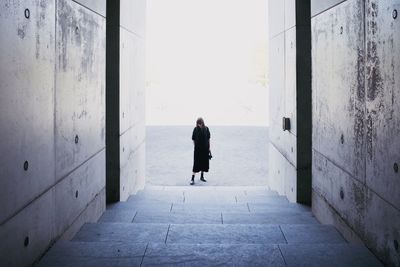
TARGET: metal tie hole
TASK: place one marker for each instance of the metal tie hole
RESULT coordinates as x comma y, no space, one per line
76,194
341,193
341,29
396,245
27,13
396,167
26,165
394,14
26,241
76,139
342,139
77,30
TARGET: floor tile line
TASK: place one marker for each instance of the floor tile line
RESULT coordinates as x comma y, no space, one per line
144,254
283,234
284,260
166,237
134,216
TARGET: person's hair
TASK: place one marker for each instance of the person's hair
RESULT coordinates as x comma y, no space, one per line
200,122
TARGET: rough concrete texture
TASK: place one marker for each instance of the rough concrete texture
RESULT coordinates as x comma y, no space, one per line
211,236
52,124
240,156
356,122
80,91
132,97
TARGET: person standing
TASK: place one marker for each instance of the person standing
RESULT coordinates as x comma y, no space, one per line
201,140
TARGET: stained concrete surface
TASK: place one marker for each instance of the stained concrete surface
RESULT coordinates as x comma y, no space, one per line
212,236
240,156
356,77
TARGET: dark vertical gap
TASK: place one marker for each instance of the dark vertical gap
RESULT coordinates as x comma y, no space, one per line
280,250
304,101
112,102
144,254
166,237
133,219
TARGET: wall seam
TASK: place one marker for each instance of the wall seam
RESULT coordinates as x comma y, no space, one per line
88,8
132,32
47,190
326,9
366,186
54,119
282,154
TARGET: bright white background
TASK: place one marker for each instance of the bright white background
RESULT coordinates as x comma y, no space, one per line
207,58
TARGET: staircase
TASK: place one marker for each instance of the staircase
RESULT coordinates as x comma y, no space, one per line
207,226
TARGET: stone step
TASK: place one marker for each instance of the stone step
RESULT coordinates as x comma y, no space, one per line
275,216
209,197
161,254
161,206
209,233
65,253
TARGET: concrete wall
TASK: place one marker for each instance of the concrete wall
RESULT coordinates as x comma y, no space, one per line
125,98
52,117
356,121
132,96
290,96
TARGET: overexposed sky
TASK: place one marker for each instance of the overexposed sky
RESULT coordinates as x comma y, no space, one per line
206,58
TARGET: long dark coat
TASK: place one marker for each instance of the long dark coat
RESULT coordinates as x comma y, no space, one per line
201,138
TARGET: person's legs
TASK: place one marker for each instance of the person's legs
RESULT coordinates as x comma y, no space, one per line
192,181
202,177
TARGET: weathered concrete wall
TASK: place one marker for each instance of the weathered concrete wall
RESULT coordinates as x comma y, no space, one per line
290,151
52,123
356,122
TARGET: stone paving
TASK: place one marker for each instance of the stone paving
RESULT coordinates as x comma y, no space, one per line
207,226
240,156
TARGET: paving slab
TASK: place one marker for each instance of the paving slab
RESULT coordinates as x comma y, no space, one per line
221,197
91,262
213,255
264,207
159,196
311,233
96,249
240,154
123,232
209,207
263,199
225,234
141,206
122,216
269,218
328,255
178,217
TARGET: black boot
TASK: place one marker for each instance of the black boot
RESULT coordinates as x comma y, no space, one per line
202,178
192,181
